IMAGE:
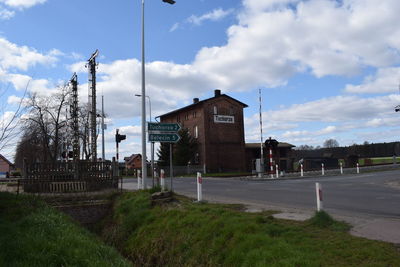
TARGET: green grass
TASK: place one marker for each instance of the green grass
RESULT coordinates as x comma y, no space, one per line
185,233
33,234
377,161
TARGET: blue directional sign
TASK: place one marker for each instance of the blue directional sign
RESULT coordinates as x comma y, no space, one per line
163,127
164,137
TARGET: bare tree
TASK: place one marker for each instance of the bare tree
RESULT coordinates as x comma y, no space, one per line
9,119
331,143
48,115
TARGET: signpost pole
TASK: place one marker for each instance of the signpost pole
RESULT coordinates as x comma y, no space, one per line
170,163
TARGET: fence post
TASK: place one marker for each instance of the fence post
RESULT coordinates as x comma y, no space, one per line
199,189
341,168
323,169
301,170
277,170
162,178
318,190
358,168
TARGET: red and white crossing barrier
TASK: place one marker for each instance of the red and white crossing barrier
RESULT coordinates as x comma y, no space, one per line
271,163
162,179
323,168
301,170
318,190
199,189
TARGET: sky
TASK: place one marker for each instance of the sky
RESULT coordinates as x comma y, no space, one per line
327,69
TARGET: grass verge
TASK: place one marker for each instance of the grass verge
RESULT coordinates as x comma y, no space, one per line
185,233
34,234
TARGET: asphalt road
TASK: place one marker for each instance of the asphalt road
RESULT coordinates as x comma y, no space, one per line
373,194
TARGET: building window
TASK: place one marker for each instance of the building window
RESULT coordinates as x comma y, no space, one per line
196,131
215,110
186,116
194,114
178,118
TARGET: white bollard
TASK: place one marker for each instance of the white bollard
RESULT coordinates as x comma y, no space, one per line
358,168
199,189
341,168
318,190
277,170
139,180
323,169
301,170
162,179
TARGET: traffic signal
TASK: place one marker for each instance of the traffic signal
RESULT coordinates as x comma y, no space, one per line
271,143
119,137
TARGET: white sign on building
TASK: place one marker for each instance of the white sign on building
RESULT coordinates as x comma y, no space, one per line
224,119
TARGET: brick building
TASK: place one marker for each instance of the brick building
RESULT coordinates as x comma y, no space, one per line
133,162
5,166
283,156
217,124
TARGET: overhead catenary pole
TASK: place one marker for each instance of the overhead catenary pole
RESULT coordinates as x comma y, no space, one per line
74,115
92,105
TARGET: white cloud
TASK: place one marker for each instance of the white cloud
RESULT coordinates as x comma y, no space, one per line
22,3
386,80
174,27
17,57
6,14
214,15
338,108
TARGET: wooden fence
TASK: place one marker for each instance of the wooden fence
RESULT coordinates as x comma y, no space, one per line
63,177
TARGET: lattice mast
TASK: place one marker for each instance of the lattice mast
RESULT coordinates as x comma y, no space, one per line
75,117
92,106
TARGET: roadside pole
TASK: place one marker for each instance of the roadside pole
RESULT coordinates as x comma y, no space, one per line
318,190
323,169
277,170
301,170
358,168
139,186
162,179
341,168
199,187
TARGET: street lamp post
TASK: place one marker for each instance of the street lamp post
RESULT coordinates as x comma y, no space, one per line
152,143
144,157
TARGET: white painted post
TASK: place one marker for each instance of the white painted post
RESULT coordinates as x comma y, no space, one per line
199,189
277,170
358,168
162,179
139,180
301,170
341,168
323,169
318,190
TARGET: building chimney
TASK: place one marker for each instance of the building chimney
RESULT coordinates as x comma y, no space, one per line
217,92
195,100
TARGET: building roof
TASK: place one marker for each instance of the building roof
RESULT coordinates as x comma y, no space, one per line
6,160
280,144
217,95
